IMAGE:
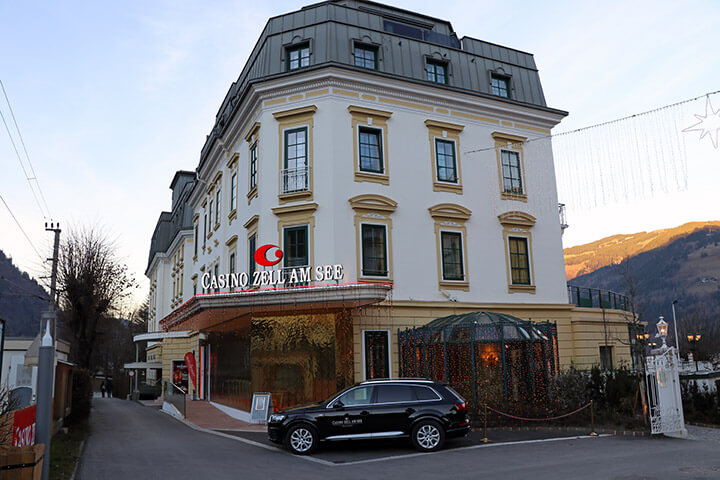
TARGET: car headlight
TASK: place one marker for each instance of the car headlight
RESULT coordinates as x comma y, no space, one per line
277,417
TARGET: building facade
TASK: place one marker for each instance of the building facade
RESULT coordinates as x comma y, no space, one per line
367,173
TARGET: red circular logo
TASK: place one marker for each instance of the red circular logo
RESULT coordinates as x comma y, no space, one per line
261,255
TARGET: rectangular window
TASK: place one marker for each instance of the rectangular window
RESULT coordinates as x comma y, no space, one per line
445,158
377,354
500,86
452,256
295,175
519,260
298,56
233,192
232,263
295,246
365,56
253,166
370,141
511,172
436,71
606,360
195,245
210,215
195,288
374,250
204,229
251,256
217,207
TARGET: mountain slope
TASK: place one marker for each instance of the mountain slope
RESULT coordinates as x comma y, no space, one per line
20,306
583,259
686,269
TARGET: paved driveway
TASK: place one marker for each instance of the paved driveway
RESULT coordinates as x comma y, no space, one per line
129,441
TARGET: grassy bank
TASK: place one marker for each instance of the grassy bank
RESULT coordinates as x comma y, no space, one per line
65,451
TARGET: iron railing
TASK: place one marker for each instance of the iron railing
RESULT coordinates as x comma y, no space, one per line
175,396
294,180
596,298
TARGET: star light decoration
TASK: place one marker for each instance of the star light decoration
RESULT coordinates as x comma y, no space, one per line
708,124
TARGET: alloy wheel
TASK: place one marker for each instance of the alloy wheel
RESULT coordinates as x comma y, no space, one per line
428,436
301,439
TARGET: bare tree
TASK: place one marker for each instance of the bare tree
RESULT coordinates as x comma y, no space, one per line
93,283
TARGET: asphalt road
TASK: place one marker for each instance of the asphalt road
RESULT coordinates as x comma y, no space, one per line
129,441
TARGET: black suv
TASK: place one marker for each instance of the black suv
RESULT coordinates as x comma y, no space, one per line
424,410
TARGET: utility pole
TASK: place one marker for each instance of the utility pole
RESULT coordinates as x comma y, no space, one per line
677,339
53,275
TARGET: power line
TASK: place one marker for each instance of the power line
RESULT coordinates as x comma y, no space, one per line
603,124
21,228
27,156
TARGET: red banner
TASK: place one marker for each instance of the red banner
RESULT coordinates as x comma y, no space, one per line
24,427
192,372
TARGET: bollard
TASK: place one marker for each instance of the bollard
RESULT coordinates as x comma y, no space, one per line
485,439
592,419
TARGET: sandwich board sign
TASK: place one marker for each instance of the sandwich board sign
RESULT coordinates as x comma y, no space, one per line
261,406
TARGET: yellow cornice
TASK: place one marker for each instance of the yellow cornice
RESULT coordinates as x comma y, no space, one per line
368,112
253,129
516,218
309,110
507,138
450,210
304,207
444,125
253,221
373,202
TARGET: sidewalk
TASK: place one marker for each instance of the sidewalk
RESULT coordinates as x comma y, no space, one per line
205,415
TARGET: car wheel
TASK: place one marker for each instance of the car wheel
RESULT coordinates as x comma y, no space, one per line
428,436
301,439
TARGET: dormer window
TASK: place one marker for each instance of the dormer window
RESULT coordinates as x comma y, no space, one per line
436,71
500,85
365,56
298,56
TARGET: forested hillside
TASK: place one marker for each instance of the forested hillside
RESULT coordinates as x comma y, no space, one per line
20,300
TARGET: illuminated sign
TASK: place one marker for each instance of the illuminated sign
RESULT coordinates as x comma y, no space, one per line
288,276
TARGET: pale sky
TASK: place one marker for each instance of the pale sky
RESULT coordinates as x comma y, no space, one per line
113,97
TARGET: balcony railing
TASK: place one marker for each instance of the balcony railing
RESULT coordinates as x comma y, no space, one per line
595,298
293,180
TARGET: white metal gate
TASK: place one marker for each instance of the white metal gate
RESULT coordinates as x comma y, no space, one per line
663,389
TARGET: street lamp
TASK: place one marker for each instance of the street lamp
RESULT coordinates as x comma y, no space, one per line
694,339
662,328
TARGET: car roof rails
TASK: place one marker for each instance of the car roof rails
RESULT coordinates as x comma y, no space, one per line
398,380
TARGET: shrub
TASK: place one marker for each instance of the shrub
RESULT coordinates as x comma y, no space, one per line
81,395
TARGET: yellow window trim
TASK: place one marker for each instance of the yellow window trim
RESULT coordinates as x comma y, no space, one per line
447,132
294,118
371,118
451,217
231,240
251,222
518,224
511,143
372,202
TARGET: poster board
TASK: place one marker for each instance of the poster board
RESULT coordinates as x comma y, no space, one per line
261,407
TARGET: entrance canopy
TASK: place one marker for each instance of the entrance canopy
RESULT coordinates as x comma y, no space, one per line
204,311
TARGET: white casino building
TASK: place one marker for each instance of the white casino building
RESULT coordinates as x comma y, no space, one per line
372,145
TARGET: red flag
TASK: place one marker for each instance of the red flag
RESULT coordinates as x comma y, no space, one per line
192,372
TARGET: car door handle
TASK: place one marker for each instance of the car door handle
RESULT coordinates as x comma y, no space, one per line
364,413
410,411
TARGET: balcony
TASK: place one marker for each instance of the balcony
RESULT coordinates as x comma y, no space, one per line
595,298
295,180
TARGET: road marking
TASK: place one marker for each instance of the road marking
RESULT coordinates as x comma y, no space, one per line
374,460
472,447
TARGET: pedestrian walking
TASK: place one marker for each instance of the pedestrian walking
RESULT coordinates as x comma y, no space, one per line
102,389
108,387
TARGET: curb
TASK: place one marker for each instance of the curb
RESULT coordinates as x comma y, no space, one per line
77,464
608,431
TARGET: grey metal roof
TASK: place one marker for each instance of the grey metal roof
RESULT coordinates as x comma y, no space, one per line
180,218
405,39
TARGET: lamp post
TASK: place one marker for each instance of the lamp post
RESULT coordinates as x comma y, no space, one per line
694,339
677,339
662,328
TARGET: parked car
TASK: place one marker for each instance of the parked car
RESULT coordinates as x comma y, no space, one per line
425,411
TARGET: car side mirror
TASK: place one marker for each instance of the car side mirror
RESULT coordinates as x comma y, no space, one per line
338,404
